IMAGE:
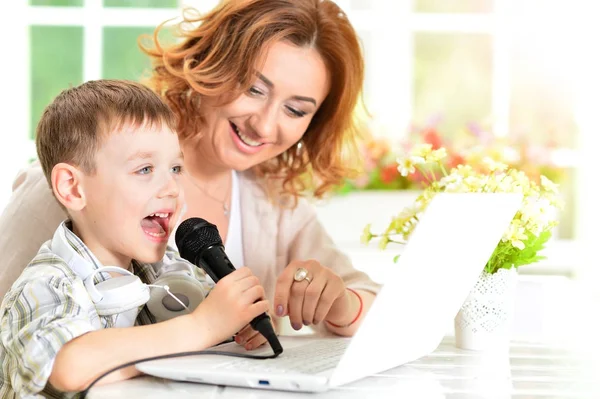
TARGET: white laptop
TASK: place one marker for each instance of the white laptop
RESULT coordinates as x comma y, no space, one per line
421,295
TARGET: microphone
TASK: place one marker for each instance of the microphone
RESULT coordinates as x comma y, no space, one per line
199,242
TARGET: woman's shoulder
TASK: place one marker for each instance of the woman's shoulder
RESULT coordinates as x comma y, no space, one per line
31,215
269,190
29,177
270,202
31,194
250,181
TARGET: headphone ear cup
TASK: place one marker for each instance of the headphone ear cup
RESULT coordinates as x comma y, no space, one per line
186,288
121,294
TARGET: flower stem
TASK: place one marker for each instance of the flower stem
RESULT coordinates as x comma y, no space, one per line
396,241
443,169
424,173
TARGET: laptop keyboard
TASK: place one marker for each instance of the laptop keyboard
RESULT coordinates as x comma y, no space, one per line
311,358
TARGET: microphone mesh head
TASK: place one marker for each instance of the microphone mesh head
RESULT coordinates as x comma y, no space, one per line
194,235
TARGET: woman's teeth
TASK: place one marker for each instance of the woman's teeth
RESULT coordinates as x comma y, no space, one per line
247,140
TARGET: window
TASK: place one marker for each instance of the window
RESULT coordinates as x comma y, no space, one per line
62,43
500,62
56,54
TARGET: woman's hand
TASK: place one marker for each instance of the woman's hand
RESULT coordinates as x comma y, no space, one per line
321,295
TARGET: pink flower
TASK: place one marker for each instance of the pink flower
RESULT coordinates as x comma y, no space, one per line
389,173
361,181
431,136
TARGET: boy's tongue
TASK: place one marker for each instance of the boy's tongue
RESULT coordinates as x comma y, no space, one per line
151,225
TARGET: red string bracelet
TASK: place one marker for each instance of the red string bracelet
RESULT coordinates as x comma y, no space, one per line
360,309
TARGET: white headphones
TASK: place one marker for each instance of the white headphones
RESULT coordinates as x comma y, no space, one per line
181,291
116,295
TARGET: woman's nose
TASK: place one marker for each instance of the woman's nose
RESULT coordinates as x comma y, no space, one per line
264,122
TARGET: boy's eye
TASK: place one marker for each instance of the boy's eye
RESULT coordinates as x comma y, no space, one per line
176,169
145,170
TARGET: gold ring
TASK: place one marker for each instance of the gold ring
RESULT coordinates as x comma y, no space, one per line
301,275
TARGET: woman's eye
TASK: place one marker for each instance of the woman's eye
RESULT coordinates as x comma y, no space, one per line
145,170
295,112
254,91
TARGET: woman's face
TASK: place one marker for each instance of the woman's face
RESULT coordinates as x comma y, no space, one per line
272,115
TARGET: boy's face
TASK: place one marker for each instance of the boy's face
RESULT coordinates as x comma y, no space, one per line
133,199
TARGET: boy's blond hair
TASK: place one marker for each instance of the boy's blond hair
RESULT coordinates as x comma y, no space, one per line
72,127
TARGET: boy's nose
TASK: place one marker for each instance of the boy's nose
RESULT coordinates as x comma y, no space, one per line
171,187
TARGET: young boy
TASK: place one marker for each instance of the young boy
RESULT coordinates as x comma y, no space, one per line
110,154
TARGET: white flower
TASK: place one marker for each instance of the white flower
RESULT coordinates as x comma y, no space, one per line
536,217
437,155
410,211
520,177
515,234
408,226
421,150
494,166
472,183
510,155
518,244
463,170
548,185
405,166
417,160
451,183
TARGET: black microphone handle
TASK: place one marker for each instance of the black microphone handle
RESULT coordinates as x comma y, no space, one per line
217,265
215,262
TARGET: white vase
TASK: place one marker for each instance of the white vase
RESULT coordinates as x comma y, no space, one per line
484,322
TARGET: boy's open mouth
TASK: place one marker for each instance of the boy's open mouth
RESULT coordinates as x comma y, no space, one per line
156,224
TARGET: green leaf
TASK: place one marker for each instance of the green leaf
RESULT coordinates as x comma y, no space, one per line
505,256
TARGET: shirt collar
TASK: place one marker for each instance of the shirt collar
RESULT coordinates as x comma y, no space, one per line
73,251
69,247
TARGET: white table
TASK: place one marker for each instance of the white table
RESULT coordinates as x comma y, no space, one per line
554,354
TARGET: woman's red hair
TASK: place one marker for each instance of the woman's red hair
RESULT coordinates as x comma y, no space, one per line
219,56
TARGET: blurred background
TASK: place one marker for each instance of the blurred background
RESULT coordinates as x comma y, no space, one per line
513,76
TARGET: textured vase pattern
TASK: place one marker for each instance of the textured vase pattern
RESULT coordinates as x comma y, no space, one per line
485,318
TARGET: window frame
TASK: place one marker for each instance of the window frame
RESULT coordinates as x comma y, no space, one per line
384,19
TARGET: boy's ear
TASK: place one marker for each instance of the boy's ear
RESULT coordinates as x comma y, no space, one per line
67,186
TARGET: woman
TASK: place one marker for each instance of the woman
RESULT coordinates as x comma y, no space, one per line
264,92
